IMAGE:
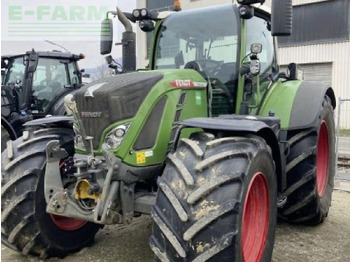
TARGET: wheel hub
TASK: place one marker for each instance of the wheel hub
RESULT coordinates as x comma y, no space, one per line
322,160
66,223
255,221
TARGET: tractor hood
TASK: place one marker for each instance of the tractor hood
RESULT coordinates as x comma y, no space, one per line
112,99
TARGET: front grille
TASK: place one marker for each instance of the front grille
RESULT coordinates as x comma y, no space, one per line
177,117
117,99
182,98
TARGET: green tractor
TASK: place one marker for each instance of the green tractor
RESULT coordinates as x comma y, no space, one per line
211,140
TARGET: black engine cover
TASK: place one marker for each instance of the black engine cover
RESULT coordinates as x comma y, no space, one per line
112,99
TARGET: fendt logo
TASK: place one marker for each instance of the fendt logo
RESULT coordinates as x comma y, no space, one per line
91,114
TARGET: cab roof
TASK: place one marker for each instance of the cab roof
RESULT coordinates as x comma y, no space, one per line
48,54
263,8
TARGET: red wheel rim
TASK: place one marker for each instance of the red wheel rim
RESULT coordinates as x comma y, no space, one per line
255,220
66,223
322,160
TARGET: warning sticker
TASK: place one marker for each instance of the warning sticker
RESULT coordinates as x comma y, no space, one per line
149,153
140,157
198,98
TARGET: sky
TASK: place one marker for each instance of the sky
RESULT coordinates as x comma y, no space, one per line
74,24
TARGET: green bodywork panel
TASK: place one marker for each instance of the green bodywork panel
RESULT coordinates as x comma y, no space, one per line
195,105
279,99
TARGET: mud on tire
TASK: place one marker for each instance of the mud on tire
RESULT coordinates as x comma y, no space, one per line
310,170
25,225
202,199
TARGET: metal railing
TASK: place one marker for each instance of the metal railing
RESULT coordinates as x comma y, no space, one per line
342,145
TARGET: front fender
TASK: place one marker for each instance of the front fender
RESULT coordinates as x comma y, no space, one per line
51,121
8,128
266,128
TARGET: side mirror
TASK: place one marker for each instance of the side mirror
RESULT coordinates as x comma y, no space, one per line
106,36
146,25
86,75
281,17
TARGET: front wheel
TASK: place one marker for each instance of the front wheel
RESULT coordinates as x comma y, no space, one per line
25,225
216,201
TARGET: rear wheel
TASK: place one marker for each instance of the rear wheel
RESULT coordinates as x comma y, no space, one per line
26,227
216,201
311,170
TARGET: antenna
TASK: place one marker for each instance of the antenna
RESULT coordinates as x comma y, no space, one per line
52,43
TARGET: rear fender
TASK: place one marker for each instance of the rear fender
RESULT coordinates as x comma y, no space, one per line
307,104
296,103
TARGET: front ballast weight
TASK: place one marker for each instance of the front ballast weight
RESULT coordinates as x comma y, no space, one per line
96,197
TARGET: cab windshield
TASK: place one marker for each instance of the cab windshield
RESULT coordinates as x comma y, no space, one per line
207,37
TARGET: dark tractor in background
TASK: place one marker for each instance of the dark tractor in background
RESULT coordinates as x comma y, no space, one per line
211,140
33,86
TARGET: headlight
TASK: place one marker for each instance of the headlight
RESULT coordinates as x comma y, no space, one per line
144,12
116,135
120,132
136,13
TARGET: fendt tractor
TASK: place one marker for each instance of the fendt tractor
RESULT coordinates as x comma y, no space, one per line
211,140
34,85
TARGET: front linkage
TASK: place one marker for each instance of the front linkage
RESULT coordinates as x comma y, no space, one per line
112,203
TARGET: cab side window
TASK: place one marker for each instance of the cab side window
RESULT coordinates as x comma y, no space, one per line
257,32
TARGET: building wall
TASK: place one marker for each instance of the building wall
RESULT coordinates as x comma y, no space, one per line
336,53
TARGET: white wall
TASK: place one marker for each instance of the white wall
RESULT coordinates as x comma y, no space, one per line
336,53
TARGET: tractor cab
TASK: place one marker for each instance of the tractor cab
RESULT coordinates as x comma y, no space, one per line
35,80
210,42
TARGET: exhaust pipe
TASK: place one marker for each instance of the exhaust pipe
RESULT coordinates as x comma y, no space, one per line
128,43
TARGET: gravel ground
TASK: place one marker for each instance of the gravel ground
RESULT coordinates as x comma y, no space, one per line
328,242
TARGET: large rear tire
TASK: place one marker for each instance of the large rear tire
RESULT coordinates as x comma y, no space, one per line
216,201
25,225
311,170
